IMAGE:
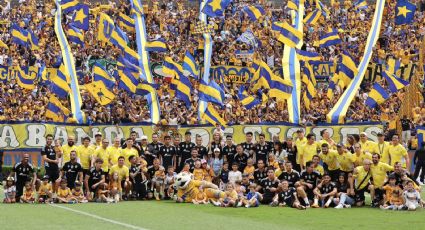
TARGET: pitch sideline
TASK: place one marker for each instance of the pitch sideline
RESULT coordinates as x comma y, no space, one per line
99,217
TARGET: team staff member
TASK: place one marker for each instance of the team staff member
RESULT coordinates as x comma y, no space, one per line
22,172
102,153
71,171
268,186
97,141
308,150
362,175
379,174
66,149
51,161
153,149
123,174
397,153
129,151
365,144
241,158
93,179
329,157
115,151
86,154
298,144
308,181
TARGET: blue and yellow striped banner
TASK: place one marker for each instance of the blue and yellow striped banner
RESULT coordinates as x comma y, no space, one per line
292,69
69,64
141,38
208,45
337,113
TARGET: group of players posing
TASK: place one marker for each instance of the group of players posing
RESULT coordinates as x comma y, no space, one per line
262,172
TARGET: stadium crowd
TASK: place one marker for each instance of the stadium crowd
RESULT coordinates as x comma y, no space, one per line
174,22
299,172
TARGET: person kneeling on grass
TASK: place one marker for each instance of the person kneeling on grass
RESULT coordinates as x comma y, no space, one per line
64,193
252,198
9,191
28,196
287,197
78,194
412,198
45,191
325,192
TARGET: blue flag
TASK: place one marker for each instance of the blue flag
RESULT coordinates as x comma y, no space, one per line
405,12
215,8
249,38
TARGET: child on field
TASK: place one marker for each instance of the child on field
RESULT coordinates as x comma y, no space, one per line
28,196
78,193
389,191
159,178
252,198
64,193
231,197
103,194
114,187
235,174
9,191
169,181
207,171
201,197
45,191
249,169
198,172
224,176
412,198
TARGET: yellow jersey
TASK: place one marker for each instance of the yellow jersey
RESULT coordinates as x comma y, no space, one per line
300,143
330,144
345,161
66,151
361,175
127,153
367,146
104,155
307,152
379,173
397,154
330,159
250,171
358,159
198,174
123,172
319,169
86,154
190,192
114,153
64,193
382,150
44,189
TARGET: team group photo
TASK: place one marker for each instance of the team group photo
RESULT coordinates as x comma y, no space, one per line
231,114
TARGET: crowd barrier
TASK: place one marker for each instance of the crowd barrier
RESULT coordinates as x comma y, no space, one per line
17,138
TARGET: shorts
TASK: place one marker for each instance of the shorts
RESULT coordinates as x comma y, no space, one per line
379,194
106,174
359,197
53,174
44,197
334,174
19,189
267,200
289,202
310,193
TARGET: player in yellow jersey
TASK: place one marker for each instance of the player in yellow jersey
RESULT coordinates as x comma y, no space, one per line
329,157
86,154
299,142
381,148
345,160
129,151
123,175
379,174
326,138
360,155
115,151
68,148
366,145
316,166
397,153
102,153
308,150
362,175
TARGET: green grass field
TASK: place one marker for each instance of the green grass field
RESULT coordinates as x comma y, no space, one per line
169,215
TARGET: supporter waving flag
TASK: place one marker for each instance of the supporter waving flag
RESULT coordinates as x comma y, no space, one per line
102,93
80,19
100,74
330,39
404,12
59,84
19,35
376,96
69,5
313,17
189,64
254,12
287,34
158,45
75,35
215,8
183,90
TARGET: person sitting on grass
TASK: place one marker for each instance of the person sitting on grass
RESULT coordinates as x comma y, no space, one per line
389,188
252,198
103,194
395,202
9,191
28,196
343,199
169,181
93,179
231,198
201,197
45,191
64,193
287,197
158,180
115,189
412,198
325,192
78,194
198,172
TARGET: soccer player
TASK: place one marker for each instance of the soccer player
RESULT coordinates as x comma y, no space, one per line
191,161
260,173
115,151
136,145
129,151
241,158
287,197
308,181
326,139
97,141
362,175
268,187
51,160
186,148
248,145
291,152
93,179
308,150
360,155
123,176
261,149
229,150
86,154
71,171
202,150
68,148
153,148
300,141
329,157
316,166
290,175
102,153
325,192
379,174
397,153
167,153
138,179
23,171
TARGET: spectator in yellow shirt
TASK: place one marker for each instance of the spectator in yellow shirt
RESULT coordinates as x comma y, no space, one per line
365,144
102,153
68,148
86,154
397,153
115,151
308,150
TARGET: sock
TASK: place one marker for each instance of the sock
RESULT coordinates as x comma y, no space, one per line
306,201
316,201
328,202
